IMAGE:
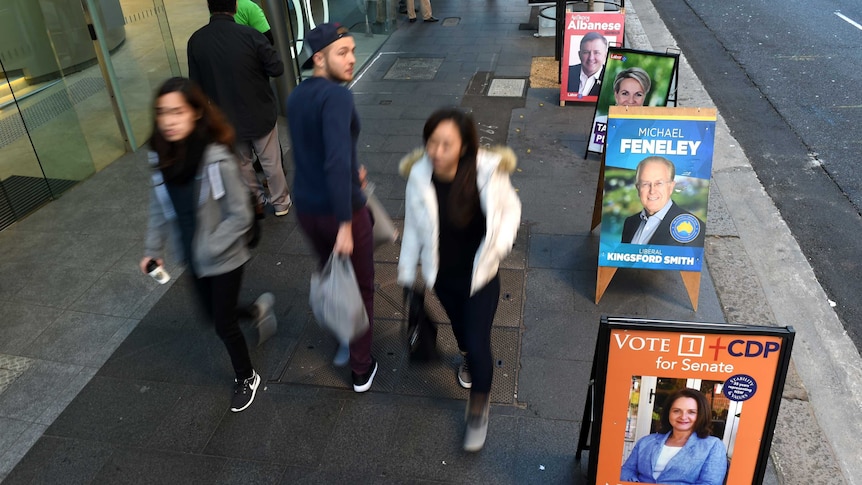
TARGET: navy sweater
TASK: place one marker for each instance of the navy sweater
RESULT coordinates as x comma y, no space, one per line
324,128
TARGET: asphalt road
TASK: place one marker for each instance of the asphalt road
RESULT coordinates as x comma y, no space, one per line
784,75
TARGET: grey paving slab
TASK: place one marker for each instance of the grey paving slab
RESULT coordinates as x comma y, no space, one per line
178,308
553,389
281,271
549,288
14,276
358,426
22,323
59,460
37,390
136,466
79,338
194,418
115,294
561,251
119,412
283,429
43,247
546,452
427,443
11,456
56,286
13,429
63,394
194,356
553,333
240,472
154,296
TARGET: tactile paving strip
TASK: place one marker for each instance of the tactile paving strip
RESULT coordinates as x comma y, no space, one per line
47,108
11,367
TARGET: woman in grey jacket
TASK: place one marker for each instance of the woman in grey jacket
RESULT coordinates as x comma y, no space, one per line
200,199
461,218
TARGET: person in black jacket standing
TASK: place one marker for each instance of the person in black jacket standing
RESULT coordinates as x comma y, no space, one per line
233,64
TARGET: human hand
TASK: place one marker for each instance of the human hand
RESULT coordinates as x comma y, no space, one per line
344,239
145,260
363,176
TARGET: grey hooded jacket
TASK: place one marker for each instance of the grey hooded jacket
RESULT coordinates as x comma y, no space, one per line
224,215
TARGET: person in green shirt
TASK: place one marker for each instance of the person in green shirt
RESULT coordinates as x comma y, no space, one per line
250,14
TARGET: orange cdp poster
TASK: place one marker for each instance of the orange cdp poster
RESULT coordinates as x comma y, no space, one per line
685,403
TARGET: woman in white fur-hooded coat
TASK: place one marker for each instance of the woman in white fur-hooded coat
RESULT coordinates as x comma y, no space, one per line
461,218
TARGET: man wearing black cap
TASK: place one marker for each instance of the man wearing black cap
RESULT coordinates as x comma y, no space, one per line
327,186
233,64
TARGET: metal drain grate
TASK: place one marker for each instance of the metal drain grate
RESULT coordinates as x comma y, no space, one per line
311,363
24,194
414,68
507,88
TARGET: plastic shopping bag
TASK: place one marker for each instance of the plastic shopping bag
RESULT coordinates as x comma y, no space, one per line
384,228
336,301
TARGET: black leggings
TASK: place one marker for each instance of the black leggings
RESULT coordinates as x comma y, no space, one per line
472,318
219,295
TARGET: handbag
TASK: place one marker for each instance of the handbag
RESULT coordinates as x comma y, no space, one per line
421,330
336,301
384,228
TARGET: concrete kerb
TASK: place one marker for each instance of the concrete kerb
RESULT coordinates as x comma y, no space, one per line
815,440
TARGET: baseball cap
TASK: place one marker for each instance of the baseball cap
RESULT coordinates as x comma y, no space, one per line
320,37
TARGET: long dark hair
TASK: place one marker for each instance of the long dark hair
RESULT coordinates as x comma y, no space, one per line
464,197
212,126
703,423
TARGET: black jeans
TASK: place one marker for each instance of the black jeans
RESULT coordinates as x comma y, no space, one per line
219,296
472,318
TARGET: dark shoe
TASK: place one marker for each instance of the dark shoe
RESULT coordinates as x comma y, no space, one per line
412,20
432,19
477,426
244,392
362,383
464,377
258,212
264,319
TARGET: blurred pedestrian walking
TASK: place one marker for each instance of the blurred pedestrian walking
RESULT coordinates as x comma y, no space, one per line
327,187
199,198
461,218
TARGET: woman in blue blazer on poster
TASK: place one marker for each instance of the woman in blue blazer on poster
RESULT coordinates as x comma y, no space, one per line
685,453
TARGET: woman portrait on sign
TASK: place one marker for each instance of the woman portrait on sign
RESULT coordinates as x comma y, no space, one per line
631,87
684,452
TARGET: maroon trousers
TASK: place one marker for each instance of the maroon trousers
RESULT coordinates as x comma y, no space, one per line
321,232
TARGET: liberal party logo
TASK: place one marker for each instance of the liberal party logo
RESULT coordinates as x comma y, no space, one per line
684,228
